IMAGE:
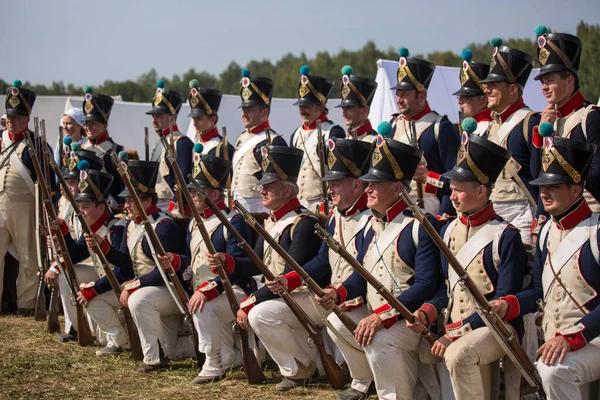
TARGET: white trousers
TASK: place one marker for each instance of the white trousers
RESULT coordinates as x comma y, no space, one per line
394,359
469,361
215,333
104,311
282,334
570,379
519,214
17,228
84,273
252,204
355,357
158,320
311,205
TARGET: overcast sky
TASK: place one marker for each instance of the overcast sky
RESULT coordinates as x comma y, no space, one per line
88,42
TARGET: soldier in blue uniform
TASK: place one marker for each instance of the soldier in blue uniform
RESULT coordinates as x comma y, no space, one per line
405,260
256,94
512,128
572,115
492,253
357,96
96,109
471,97
165,108
211,310
17,194
313,92
204,105
566,277
417,125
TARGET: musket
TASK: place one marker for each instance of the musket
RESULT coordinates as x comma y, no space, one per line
53,323
310,282
60,146
379,287
252,368
134,339
336,375
39,311
505,337
268,133
225,149
321,155
84,334
171,280
146,144
170,145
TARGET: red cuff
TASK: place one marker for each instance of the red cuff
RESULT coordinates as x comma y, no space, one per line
229,264
537,140
433,183
294,281
342,293
209,289
132,285
89,293
514,309
64,228
574,336
384,314
105,246
187,211
430,311
176,263
247,304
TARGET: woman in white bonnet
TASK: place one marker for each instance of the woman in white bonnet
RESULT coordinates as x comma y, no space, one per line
72,126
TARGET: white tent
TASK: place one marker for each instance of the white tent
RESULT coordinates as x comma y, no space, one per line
444,82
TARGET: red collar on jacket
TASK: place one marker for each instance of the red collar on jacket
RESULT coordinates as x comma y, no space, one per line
209,134
149,211
260,127
207,212
517,105
365,128
291,205
480,217
574,102
394,210
102,138
313,125
485,115
101,221
359,205
17,136
167,132
426,110
574,215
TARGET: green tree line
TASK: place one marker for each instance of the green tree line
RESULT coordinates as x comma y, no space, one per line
285,71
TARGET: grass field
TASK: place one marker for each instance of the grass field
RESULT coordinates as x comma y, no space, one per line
34,365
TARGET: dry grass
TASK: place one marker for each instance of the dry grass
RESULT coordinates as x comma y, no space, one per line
34,365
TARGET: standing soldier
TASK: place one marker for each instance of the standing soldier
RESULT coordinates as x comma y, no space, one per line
256,96
313,92
211,309
357,96
417,125
566,278
492,253
165,108
97,108
17,194
204,105
348,160
471,97
571,113
512,128
405,260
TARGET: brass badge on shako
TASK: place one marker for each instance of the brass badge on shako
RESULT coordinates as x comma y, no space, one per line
72,161
246,92
303,90
14,100
88,103
157,98
196,165
377,156
464,73
402,69
194,100
331,158
493,62
265,161
345,88
462,152
83,184
544,54
547,156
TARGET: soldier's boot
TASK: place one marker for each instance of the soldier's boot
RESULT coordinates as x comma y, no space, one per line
301,378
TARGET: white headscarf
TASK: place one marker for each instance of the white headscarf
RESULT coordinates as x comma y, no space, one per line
76,114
